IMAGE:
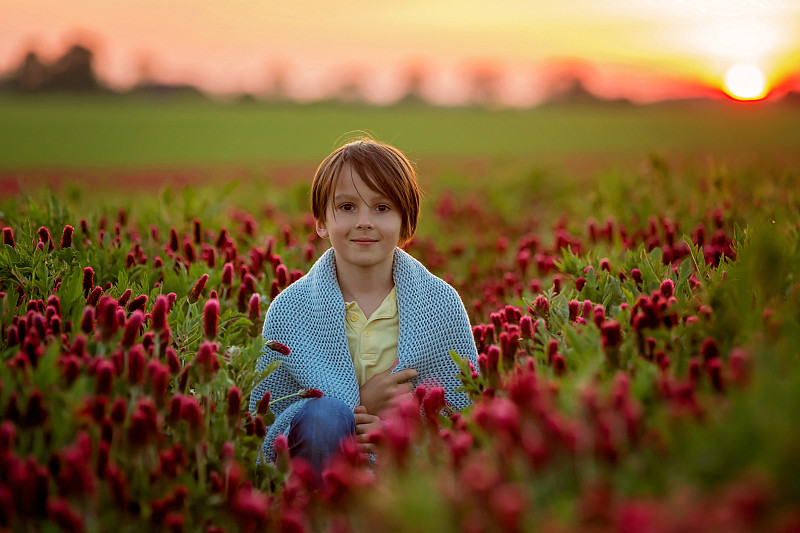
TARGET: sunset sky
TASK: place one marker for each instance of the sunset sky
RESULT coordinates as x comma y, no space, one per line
640,49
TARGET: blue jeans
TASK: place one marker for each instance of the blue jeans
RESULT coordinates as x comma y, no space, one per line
318,428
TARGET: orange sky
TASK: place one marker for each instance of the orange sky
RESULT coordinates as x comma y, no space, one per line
230,46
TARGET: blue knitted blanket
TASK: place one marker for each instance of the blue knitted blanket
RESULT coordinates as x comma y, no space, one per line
309,318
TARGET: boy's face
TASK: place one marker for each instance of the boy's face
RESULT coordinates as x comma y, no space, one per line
362,225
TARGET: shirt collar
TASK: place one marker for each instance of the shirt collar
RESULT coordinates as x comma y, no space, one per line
387,309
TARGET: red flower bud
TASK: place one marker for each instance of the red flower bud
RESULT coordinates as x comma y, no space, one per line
64,516
121,316
188,251
281,445
35,412
227,275
263,404
559,364
580,283
526,327
173,361
612,334
66,237
714,369
191,412
557,280
173,240
125,297
709,350
194,294
159,379
211,318
13,335
260,429
250,283
136,361
667,288
234,402
94,295
278,347
636,274
44,237
104,374
282,275
132,328
419,393
88,281
87,321
107,317
542,307
433,403
173,522
310,393
599,314
159,316
493,355
574,308
552,349
274,290
512,314
254,308
197,231
222,238
138,303
39,325
118,411
8,237
241,298
8,436
142,427
207,358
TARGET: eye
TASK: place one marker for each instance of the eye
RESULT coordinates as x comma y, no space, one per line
383,208
347,206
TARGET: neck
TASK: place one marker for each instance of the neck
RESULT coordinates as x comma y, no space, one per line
365,284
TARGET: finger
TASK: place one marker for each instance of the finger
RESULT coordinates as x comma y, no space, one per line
360,410
403,388
364,418
394,365
405,375
365,447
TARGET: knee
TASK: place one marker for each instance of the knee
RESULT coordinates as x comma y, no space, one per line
322,422
329,412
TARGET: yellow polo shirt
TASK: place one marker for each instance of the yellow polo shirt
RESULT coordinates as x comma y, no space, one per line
373,341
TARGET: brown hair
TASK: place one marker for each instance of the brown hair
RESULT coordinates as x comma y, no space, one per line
383,168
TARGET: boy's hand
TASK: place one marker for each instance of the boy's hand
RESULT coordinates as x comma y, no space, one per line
379,390
365,424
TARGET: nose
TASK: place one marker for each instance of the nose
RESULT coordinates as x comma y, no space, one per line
364,220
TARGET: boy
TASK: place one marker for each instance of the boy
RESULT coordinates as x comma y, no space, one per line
367,322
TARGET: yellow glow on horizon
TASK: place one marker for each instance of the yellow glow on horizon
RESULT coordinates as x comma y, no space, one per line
231,46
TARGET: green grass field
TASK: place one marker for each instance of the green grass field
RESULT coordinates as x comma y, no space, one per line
91,132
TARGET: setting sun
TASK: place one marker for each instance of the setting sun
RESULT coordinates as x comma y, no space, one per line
745,82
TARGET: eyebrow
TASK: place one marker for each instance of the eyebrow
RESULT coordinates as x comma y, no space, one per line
350,197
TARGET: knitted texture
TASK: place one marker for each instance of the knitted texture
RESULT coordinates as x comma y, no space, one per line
309,318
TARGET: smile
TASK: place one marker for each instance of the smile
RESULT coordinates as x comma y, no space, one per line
364,242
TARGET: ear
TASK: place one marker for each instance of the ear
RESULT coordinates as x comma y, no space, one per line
322,231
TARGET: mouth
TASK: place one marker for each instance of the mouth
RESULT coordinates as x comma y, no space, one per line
364,242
